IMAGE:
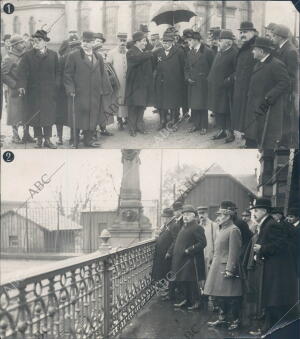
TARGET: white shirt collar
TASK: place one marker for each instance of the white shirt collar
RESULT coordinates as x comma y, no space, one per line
197,49
283,43
263,59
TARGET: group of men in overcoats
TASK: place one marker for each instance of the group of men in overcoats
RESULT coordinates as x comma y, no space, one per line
249,275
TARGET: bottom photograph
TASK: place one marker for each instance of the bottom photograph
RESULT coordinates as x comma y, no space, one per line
151,243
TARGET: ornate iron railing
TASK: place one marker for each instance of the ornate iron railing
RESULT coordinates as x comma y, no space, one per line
90,296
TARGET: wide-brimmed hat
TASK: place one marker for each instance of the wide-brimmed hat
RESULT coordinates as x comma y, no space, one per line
177,205
137,36
294,211
144,28
122,36
247,26
227,207
196,36
226,34
16,39
99,36
189,209
168,213
277,210
187,33
261,203
168,36
281,31
41,34
264,43
88,36
271,26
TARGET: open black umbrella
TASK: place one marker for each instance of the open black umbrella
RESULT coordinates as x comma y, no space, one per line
173,13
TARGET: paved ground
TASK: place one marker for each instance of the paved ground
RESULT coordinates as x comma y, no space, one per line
121,139
160,320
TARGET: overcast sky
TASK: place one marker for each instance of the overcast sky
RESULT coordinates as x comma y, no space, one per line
84,167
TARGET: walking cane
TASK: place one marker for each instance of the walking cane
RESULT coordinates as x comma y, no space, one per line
265,129
74,122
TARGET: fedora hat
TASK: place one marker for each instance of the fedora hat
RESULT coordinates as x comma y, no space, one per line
247,26
281,31
227,207
137,36
226,34
188,209
41,34
261,203
168,213
264,43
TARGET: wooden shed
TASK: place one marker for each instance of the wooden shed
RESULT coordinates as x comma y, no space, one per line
216,185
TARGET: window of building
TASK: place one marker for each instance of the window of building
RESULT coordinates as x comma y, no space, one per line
17,25
31,25
13,241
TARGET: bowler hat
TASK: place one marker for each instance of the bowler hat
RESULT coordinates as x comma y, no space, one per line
137,36
88,36
41,34
74,40
247,26
168,36
264,43
168,213
196,36
177,205
294,211
261,203
227,207
188,209
202,208
144,28
99,36
16,39
122,36
271,26
6,37
281,31
226,34
187,33
277,210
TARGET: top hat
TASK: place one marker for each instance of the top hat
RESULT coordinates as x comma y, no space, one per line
187,33
247,26
16,39
74,40
137,36
144,28
88,36
277,210
261,203
99,36
271,26
168,36
294,211
122,36
227,207
188,209
264,43
196,36
226,34
177,205
281,31
202,208
41,34
168,213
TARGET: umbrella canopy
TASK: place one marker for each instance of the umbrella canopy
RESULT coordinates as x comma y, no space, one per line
173,13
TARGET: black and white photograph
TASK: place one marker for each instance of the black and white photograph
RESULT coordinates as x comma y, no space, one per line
159,74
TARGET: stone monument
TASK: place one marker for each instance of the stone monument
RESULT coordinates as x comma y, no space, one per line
131,225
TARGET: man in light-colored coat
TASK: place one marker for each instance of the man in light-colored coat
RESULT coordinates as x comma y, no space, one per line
223,281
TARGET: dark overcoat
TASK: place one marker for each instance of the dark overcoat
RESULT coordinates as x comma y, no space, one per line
15,105
40,76
139,78
226,258
169,79
279,286
85,79
197,67
244,67
62,99
219,93
164,242
191,266
269,80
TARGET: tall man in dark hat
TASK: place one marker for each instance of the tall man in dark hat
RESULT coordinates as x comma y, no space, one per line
244,67
39,77
188,264
83,82
223,281
265,103
288,54
139,82
169,80
198,64
15,105
220,86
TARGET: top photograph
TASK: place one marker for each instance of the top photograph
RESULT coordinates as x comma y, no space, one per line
141,74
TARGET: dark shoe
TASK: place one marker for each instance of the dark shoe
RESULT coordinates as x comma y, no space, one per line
181,304
217,323
220,135
132,134
234,325
48,144
193,129
106,133
39,143
196,306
